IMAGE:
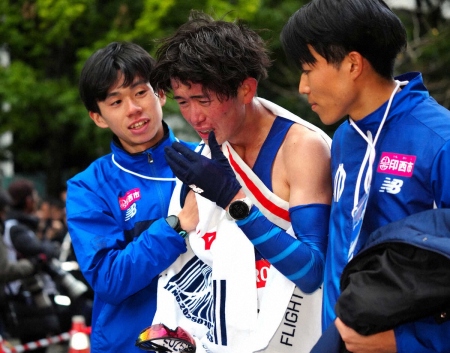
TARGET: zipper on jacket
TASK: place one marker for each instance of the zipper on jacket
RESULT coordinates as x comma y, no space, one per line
150,158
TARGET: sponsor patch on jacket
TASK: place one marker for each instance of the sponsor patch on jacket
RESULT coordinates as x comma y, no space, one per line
129,198
396,164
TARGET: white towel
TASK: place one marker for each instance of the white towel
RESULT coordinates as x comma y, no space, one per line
215,299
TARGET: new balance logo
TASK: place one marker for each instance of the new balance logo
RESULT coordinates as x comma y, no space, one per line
131,212
391,186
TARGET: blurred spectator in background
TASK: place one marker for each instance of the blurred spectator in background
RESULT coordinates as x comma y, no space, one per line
9,270
63,194
30,297
22,221
52,215
43,213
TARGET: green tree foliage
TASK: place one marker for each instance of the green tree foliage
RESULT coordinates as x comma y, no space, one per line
429,46
49,40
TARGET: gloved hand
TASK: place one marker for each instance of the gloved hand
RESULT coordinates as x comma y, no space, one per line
212,178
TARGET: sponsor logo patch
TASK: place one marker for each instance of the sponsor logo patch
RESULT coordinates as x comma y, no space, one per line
396,164
129,198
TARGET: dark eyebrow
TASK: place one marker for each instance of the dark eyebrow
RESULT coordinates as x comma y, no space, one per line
138,82
199,96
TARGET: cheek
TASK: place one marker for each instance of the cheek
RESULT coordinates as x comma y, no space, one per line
216,114
224,119
157,108
186,114
230,109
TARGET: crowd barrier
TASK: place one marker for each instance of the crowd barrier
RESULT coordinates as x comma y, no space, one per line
78,338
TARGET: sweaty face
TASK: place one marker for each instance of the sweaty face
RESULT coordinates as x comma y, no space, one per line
327,88
206,113
133,113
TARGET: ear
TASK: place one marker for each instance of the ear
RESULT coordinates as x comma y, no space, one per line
98,120
162,98
248,89
355,62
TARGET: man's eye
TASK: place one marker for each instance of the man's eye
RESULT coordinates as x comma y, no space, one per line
141,93
116,102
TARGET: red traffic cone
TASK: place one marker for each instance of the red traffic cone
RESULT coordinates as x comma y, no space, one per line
1,345
79,340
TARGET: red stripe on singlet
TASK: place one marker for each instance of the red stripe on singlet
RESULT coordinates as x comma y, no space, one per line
276,210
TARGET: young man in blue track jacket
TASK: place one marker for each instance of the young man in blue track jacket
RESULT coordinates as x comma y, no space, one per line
117,207
390,158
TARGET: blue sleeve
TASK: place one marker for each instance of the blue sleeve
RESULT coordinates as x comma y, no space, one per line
440,180
423,336
300,259
114,268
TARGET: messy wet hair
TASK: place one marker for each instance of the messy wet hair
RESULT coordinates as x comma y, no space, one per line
217,54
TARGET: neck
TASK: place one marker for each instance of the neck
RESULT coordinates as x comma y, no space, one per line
373,94
257,124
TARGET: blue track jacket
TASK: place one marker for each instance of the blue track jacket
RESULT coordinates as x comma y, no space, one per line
116,212
410,174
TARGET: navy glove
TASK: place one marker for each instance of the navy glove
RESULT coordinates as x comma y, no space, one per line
212,178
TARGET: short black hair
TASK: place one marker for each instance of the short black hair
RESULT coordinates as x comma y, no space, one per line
217,54
336,27
101,71
19,190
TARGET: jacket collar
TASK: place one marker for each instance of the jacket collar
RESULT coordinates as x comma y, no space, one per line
145,161
403,101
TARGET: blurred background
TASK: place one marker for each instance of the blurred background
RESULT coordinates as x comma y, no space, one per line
45,132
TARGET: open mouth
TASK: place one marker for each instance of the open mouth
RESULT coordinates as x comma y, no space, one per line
204,132
139,124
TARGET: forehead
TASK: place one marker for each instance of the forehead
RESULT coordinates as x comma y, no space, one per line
122,82
188,88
